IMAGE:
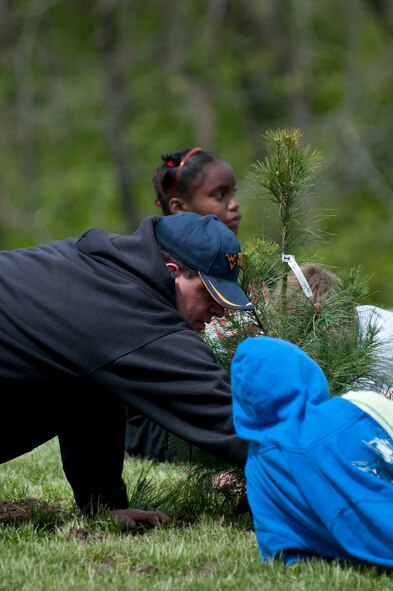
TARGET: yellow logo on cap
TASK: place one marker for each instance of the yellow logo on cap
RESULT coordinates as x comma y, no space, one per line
234,259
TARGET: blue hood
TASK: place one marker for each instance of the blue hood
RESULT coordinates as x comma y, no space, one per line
306,484
274,384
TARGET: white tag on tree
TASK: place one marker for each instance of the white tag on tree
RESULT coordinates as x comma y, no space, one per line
290,259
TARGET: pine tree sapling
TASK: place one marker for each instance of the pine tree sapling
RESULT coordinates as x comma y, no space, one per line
283,180
325,327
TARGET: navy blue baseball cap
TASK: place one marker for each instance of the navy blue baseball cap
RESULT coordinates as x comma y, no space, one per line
211,248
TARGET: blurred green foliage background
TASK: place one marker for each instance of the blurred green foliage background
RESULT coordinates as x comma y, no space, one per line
93,92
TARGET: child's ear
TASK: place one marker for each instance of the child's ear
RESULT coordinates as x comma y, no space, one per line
177,205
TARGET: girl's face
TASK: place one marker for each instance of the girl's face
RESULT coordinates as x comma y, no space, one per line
215,194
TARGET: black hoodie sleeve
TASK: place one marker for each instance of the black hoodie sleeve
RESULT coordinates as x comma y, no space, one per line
176,382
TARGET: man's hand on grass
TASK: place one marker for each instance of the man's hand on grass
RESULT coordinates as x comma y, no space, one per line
131,518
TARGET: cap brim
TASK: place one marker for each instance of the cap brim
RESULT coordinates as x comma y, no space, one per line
227,293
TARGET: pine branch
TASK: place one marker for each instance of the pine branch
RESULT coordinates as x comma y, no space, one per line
284,179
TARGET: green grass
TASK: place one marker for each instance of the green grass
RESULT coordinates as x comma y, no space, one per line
52,547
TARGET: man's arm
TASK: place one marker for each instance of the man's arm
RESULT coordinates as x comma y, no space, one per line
176,382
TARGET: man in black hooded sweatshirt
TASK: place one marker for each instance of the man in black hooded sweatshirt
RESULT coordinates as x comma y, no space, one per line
93,325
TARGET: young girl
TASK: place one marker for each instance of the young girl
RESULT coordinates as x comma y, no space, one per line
199,181
202,182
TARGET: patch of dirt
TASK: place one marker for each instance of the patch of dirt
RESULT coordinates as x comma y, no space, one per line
79,533
107,565
26,508
144,568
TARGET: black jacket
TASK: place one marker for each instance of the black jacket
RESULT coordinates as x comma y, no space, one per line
88,327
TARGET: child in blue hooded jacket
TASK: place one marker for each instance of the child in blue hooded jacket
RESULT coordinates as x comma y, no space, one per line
320,470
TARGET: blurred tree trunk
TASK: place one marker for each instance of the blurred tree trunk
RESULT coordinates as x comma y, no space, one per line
19,30
275,62
384,11
115,74
25,92
196,86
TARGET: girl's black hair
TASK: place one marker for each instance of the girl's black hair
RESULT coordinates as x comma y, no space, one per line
180,174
